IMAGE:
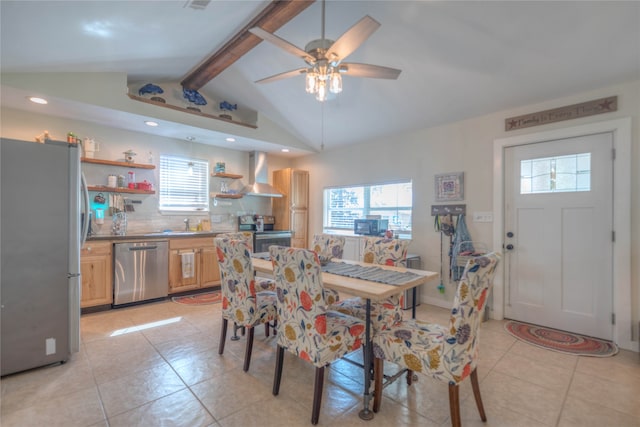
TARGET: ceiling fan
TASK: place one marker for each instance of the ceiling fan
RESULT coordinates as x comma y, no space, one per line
324,58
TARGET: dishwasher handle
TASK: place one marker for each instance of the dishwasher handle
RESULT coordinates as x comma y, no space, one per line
143,248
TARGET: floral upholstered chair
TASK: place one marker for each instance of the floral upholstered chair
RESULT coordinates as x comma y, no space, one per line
306,328
447,353
247,236
241,303
262,283
329,246
384,314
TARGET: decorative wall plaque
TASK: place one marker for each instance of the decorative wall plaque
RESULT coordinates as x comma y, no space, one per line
449,187
584,109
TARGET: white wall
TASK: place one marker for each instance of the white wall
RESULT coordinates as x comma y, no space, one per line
22,125
461,146
464,146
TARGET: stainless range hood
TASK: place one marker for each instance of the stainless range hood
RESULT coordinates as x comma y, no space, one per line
258,177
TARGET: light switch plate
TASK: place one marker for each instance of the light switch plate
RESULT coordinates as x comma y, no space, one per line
483,217
50,346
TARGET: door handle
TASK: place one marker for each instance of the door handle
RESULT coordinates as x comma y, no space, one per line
143,248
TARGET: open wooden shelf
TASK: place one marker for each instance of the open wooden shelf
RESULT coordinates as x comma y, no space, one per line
114,163
106,189
226,175
185,110
228,196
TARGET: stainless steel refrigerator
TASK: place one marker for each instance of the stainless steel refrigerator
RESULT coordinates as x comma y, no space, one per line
40,234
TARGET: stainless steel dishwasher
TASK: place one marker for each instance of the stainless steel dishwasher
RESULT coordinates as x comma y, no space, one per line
141,271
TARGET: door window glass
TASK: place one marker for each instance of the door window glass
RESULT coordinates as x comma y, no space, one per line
568,173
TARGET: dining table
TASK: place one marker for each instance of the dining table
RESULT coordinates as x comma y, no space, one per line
367,281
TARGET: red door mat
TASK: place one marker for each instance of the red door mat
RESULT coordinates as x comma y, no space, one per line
199,299
561,341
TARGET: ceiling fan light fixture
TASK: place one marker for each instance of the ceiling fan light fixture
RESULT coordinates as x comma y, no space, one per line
335,82
321,95
311,81
324,58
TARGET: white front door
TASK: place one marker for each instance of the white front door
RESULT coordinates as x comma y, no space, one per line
558,234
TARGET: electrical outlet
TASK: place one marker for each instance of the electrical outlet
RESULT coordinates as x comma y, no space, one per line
50,346
483,217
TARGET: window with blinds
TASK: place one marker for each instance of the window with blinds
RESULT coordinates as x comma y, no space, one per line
184,184
393,201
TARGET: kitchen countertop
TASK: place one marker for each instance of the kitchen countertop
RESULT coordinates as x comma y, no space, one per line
155,235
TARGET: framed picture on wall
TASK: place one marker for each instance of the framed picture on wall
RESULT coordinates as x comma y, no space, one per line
449,186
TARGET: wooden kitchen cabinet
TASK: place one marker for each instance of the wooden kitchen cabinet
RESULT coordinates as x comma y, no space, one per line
96,274
206,271
291,211
210,272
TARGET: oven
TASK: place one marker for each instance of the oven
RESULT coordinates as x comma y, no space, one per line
262,240
266,236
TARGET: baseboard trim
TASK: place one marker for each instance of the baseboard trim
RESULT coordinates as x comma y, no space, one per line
436,301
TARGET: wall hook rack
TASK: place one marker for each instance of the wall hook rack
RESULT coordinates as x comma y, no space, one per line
448,210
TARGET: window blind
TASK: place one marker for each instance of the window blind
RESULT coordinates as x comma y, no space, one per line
184,184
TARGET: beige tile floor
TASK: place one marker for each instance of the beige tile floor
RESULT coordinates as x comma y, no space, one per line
157,365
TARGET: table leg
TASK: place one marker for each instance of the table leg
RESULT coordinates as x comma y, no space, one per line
365,413
413,308
235,336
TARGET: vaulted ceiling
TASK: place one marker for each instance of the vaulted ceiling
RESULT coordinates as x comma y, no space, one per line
458,59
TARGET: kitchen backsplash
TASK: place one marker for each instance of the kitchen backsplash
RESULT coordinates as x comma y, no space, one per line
145,216
142,209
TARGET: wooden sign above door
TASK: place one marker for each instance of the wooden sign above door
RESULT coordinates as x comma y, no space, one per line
584,109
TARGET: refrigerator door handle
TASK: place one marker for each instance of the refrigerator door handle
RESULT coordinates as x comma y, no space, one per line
85,197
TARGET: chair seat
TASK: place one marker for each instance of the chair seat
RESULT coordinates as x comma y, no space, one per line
421,347
384,314
265,310
417,346
344,335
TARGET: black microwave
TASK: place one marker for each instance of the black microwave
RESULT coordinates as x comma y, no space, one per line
370,227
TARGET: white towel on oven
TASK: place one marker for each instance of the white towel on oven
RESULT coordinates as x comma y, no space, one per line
188,258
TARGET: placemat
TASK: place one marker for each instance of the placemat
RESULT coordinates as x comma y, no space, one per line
374,274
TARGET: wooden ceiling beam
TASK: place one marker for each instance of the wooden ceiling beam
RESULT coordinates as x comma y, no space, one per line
274,16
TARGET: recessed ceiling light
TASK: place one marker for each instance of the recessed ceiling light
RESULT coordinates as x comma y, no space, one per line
38,100
229,139
285,150
151,123
191,138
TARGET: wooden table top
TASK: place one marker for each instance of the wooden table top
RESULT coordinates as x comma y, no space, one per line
375,291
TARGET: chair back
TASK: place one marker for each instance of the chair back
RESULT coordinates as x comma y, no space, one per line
300,301
379,250
237,280
328,245
466,314
247,236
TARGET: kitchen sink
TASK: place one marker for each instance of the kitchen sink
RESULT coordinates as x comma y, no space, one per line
175,233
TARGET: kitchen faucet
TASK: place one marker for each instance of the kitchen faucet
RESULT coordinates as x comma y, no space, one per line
186,224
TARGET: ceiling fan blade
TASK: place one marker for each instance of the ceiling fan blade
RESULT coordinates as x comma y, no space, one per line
368,70
282,44
284,75
352,39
